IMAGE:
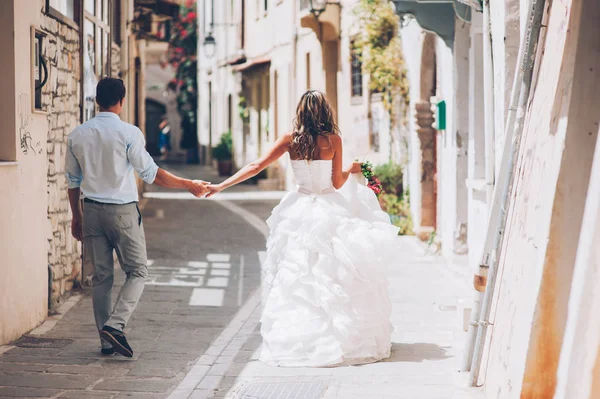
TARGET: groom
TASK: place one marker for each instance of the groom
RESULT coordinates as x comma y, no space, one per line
102,155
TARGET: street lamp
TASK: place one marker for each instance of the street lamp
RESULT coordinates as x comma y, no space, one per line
317,7
209,45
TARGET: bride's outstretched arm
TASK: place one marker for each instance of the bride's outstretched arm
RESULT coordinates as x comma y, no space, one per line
340,176
253,168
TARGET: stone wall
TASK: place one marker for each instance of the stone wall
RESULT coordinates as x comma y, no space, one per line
115,61
61,100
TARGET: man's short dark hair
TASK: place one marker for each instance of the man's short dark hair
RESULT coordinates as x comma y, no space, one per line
109,92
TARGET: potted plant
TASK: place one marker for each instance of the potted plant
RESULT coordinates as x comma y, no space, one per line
223,154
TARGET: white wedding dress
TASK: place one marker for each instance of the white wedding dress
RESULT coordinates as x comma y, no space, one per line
325,291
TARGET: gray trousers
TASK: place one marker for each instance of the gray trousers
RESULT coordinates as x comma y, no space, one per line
115,227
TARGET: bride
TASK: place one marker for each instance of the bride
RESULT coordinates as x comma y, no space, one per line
325,298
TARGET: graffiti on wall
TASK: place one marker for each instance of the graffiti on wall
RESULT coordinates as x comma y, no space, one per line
24,118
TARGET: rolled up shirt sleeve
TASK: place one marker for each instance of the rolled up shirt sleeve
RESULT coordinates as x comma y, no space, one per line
72,168
139,158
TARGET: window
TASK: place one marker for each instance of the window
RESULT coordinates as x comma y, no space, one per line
66,11
357,76
115,26
40,69
96,50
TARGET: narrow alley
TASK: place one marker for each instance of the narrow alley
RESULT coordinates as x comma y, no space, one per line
196,329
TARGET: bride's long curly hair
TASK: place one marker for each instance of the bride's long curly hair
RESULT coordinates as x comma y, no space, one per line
314,118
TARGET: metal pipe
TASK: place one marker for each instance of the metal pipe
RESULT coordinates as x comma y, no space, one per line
514,130
488,103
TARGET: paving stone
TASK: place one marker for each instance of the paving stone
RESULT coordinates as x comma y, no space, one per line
45,380
143,370
87,394
154,385
99,370
22,367
21,392
145,395
46,360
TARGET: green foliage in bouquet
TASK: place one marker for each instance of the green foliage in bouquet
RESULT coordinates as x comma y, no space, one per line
224,150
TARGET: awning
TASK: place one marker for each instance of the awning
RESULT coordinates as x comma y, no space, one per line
437,16
253,63
234,60
166,8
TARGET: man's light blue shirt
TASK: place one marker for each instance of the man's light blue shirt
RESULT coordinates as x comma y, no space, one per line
101,157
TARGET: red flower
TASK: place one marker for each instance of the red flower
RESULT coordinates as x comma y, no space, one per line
191,16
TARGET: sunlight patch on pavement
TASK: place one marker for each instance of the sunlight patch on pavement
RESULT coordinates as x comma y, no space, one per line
217,282
218,257
197,264
207,297
212,273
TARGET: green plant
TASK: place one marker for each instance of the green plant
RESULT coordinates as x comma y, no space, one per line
243,110
224,150
390,176
432,238
399,211
379,47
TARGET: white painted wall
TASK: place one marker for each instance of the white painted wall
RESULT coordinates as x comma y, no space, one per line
446,175
23,187
477,202
578,367
524,257
412,45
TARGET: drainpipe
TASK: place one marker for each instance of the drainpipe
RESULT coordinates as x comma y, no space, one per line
488,105
489,139
499,214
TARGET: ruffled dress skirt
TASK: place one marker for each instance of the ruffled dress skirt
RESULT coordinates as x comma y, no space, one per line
325,292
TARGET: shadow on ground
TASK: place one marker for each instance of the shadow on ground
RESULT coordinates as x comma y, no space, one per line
416,353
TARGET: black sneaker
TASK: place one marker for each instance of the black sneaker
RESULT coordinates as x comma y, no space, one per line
117,339
107,351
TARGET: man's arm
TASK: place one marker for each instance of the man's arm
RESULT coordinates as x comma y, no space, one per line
74,178
77,221
143,163
166,179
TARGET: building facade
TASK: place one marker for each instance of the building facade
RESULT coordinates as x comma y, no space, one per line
53,60
266,55
538,324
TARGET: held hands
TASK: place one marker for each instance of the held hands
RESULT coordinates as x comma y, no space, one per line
214,189
198,188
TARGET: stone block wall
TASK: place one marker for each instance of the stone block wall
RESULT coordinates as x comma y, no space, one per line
61,100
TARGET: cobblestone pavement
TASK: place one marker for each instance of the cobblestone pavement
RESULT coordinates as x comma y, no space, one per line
195,331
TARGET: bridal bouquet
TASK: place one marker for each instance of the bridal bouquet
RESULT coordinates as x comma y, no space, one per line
372,181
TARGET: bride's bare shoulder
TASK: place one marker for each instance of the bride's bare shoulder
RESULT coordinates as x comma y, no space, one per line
336,140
